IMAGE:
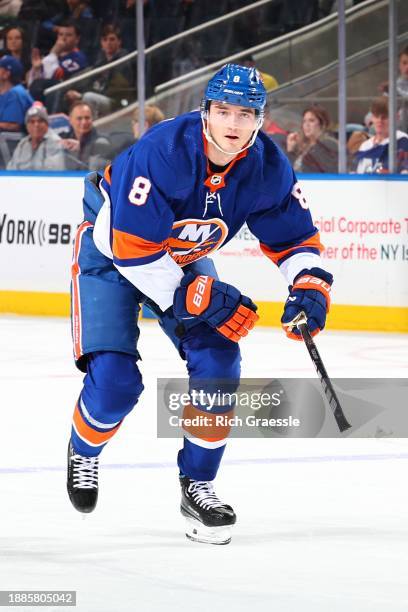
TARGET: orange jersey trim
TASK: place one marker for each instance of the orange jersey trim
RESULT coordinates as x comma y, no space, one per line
88,434
107,175
128,246
222,175
276,256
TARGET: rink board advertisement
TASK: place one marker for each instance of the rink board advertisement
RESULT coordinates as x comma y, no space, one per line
363,224
39,214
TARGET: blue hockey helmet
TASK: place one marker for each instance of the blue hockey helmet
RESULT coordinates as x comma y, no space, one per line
235,84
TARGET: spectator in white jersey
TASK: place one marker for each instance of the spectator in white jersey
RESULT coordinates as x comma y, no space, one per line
372,156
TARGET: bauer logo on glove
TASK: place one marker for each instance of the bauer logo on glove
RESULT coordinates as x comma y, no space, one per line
309,293
218,304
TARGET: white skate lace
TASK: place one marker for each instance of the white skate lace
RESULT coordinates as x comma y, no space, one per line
203,494
85,472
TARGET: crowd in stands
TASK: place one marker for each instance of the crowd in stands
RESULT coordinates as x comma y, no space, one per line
314,147
110,89
80,148
47,42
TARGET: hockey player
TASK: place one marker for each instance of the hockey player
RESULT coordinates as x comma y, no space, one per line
165,204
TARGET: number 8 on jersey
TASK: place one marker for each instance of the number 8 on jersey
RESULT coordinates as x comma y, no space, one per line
140,191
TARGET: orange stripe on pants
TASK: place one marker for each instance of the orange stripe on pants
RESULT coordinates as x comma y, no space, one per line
76,302
204,425
95,438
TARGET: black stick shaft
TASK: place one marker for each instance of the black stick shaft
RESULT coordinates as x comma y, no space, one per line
329,392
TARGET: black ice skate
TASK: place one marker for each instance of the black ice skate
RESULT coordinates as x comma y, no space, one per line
82,480
208,519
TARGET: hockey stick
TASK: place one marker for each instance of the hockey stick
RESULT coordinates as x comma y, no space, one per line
301,323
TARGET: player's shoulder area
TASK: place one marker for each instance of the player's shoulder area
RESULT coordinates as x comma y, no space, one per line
276,168
167,152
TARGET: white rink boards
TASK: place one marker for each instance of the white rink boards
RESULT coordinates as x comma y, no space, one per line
362,220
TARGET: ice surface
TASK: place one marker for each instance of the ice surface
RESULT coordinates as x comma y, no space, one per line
322,524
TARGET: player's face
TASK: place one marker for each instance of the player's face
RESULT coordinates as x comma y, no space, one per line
311,125
37,128
403,66
81,120
231,126
381,125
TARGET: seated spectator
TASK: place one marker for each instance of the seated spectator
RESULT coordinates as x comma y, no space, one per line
109,89
372,155
152,114
402,81
76,11
35,10
16,45
313,149
63,61
86,148
41,149
268,80
402,89
10,8
14,98
73,9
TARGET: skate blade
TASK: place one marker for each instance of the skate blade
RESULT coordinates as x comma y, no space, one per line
197,532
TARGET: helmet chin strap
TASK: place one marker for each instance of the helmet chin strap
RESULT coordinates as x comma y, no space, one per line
205,122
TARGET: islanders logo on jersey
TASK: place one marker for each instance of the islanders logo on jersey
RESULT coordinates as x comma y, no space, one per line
192,239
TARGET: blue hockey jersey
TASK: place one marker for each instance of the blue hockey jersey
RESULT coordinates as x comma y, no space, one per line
164,207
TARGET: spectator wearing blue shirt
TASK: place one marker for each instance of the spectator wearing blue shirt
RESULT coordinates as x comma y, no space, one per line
14,98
